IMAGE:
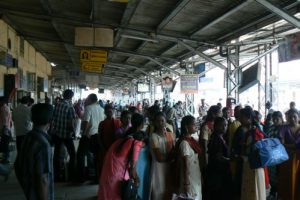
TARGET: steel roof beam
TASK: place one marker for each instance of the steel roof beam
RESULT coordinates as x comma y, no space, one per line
281,13
222,17
252,24
124,66
207,58
47,7
127,15
130,53
180,5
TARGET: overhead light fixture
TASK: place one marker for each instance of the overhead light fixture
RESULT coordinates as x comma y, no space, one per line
139,38
53,64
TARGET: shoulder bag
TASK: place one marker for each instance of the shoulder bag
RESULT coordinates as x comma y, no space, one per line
266,152
129,190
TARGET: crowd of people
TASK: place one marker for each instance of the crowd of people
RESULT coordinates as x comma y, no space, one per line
171,153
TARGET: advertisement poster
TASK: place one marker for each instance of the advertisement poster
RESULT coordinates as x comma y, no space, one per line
189,83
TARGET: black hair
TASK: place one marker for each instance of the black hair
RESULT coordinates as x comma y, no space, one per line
225,109
132,109
247,112
277,114
41,114
257,115
124,113
136,120
213,110
68,94
186,121
108,106
159,114
218,121
292,111
24,100
93,98
3,99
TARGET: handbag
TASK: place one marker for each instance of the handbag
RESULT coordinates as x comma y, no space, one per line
129,190
267,152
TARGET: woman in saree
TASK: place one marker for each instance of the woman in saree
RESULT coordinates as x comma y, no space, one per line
161,146
116,164
188,152
253,181
288,180
218,180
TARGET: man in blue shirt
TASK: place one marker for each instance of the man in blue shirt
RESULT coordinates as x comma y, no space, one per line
34,165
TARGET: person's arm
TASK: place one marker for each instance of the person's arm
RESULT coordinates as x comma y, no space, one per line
42,187
42,169
158,155
85,125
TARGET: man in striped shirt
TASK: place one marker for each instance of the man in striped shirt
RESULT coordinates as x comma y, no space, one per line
33,166
63,130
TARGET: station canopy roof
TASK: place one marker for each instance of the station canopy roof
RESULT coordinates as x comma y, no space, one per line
149,35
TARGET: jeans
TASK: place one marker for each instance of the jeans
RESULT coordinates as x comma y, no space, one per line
58,158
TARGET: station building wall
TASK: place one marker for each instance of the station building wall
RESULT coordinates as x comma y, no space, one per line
29,60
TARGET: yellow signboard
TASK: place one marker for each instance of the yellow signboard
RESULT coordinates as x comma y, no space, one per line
94,67
93,55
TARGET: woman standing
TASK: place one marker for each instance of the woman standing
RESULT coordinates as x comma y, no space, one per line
288,180
125,121
253,181
143,170
273,132
189,166
208,127
161,144
218,179
116,164
106,131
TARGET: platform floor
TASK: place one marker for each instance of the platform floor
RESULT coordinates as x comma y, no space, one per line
11,189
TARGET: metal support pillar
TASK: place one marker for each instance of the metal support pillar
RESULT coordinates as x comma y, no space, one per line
233,72
166,96
189,98
152,91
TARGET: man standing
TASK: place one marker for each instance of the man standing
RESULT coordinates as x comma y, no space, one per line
203,109
93,115
21,116
5,129
64,118
33,166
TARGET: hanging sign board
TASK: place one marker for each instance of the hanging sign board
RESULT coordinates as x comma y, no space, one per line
189,83
167,82
87,55
93,67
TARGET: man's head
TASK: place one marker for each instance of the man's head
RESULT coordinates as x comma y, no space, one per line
292,105
202,102
24,100
68,94
91,99
41,114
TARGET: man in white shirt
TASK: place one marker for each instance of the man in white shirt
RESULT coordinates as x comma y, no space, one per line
21,117
93,115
